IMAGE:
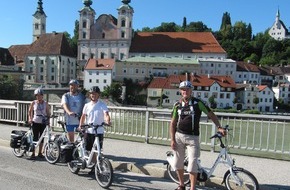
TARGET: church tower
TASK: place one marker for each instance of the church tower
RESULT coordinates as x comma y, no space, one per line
279,31
87,17
39,21
125,18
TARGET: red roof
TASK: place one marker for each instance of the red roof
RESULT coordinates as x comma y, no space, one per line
186,42
100,64
172,82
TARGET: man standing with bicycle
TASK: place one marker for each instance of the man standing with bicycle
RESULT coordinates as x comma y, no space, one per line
73,103
184,130
95,112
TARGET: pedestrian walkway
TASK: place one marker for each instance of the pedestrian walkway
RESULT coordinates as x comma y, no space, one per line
148,159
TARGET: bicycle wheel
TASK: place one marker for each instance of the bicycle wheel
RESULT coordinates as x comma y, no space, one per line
104,176
18,152
242,179
174,177
51,152
73,164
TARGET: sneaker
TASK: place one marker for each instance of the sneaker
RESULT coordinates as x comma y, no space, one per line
40,156
92,172
32,157
180,188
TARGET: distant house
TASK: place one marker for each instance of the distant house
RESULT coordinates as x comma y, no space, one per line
99,72
266,99
222,88
247,73
282,92
279,31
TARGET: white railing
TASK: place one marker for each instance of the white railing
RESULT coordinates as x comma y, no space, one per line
249,133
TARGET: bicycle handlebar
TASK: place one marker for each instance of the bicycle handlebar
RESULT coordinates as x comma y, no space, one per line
219,135
86,126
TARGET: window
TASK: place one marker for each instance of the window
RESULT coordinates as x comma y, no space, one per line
90,80
41,62
92,55
154,93
105,80
103,35
52,70
52,77
83,56
84,24
105,73
137,71
123,23
36,26
84,35
41,69
124,70
90,72
102,55
122,34
97,80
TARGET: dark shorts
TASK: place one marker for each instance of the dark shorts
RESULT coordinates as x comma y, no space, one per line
90,141
37,129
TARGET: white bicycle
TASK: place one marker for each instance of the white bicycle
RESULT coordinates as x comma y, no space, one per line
82,160
234,178
22,143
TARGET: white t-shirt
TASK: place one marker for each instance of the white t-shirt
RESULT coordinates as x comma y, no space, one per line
95,114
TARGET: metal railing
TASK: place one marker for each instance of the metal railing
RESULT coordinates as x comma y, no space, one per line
261,135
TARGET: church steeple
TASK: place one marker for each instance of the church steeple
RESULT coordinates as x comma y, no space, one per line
39,21
125,19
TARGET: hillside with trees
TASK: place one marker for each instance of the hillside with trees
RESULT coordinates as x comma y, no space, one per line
237,40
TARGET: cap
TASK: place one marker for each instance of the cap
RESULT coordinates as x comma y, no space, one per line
74,81
38,91
185,84
94,89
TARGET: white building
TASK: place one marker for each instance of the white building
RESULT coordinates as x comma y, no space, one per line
222,88
105,37
247,73
214,66
279,31
99,72
282,92
266,99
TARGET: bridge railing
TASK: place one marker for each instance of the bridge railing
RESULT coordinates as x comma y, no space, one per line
260,135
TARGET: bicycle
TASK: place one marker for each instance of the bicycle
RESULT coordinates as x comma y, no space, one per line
64,153
22,143
234,178
82,160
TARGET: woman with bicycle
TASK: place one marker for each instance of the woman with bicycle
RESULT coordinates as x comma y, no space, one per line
37,109
184,130
95,112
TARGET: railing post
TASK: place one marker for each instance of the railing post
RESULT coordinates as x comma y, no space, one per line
17,113
146,126
212,144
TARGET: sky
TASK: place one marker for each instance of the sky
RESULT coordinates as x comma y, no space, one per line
16,19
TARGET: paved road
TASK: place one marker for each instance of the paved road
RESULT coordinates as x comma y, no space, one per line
148,159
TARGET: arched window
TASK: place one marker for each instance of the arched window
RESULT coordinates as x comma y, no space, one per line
123,23
85,24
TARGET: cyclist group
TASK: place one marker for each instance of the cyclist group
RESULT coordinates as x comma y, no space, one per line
184,126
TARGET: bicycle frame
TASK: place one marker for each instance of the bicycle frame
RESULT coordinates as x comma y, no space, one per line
223,158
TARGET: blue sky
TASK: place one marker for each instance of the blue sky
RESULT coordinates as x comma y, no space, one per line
16,19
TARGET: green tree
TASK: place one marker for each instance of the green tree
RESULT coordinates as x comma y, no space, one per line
11,88
212,102
167,27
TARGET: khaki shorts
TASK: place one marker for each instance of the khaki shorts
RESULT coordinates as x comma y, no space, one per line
191,143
